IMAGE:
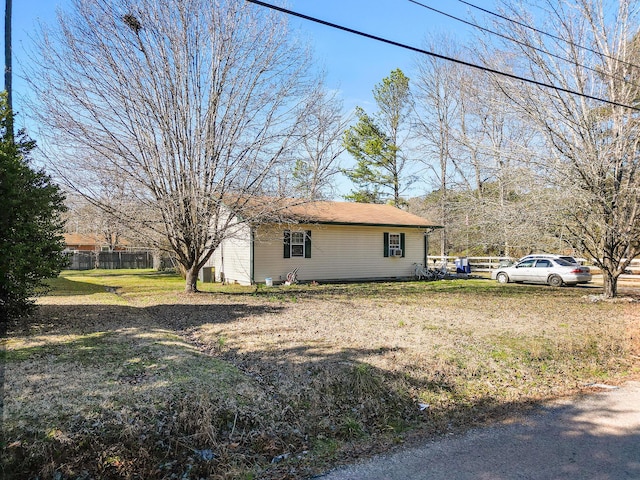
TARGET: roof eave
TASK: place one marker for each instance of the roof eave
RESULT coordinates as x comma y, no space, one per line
358,224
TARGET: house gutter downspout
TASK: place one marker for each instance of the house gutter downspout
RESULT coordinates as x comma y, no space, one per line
426,249
427,232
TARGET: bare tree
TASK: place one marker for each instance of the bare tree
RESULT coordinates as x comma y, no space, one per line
497,149
318,157
84,217
475,149
594,146
185,103
438,89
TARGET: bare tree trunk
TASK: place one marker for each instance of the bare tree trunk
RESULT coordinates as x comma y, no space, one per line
444,197
191,280
157,260
437,95
610,283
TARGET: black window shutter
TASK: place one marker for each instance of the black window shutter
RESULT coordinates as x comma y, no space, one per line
402,243
287,244
386,243
307,244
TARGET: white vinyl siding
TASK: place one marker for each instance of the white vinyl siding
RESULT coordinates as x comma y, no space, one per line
232,259
338,253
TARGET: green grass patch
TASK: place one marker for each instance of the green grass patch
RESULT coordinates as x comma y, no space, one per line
138,284
130,282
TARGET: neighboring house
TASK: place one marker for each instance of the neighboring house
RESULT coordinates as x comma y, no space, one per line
80,242
326,241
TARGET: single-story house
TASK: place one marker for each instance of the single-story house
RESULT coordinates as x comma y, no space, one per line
325,241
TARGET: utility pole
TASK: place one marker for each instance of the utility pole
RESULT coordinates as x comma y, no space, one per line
8,77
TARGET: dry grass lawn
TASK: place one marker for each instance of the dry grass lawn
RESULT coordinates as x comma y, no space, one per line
120,376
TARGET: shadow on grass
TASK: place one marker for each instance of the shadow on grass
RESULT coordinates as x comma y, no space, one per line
95,391
124,392
63,287
84,319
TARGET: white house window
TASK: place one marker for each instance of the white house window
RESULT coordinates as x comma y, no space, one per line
394,242
297,244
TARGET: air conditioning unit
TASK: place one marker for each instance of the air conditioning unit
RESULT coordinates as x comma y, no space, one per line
396,252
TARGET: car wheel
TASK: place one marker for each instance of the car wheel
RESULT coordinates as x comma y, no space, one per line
555,281
502,278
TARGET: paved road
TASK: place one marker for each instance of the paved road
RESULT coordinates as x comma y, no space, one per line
596,436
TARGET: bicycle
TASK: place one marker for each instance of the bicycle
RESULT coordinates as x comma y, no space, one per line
440,272
420,272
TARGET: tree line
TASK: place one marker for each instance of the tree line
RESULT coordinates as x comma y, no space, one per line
507,164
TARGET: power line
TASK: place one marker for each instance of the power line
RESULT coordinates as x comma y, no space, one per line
550,35
524,44
436,55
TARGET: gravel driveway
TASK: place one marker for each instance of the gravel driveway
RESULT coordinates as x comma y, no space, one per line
594,436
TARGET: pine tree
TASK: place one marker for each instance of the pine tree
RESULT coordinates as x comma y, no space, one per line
375,143
30,224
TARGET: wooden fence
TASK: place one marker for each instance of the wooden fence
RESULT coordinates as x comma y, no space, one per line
110,260
486,264
477,264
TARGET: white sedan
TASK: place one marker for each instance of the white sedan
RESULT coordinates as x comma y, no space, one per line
552,271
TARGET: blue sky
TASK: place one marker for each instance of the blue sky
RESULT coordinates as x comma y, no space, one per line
354,64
